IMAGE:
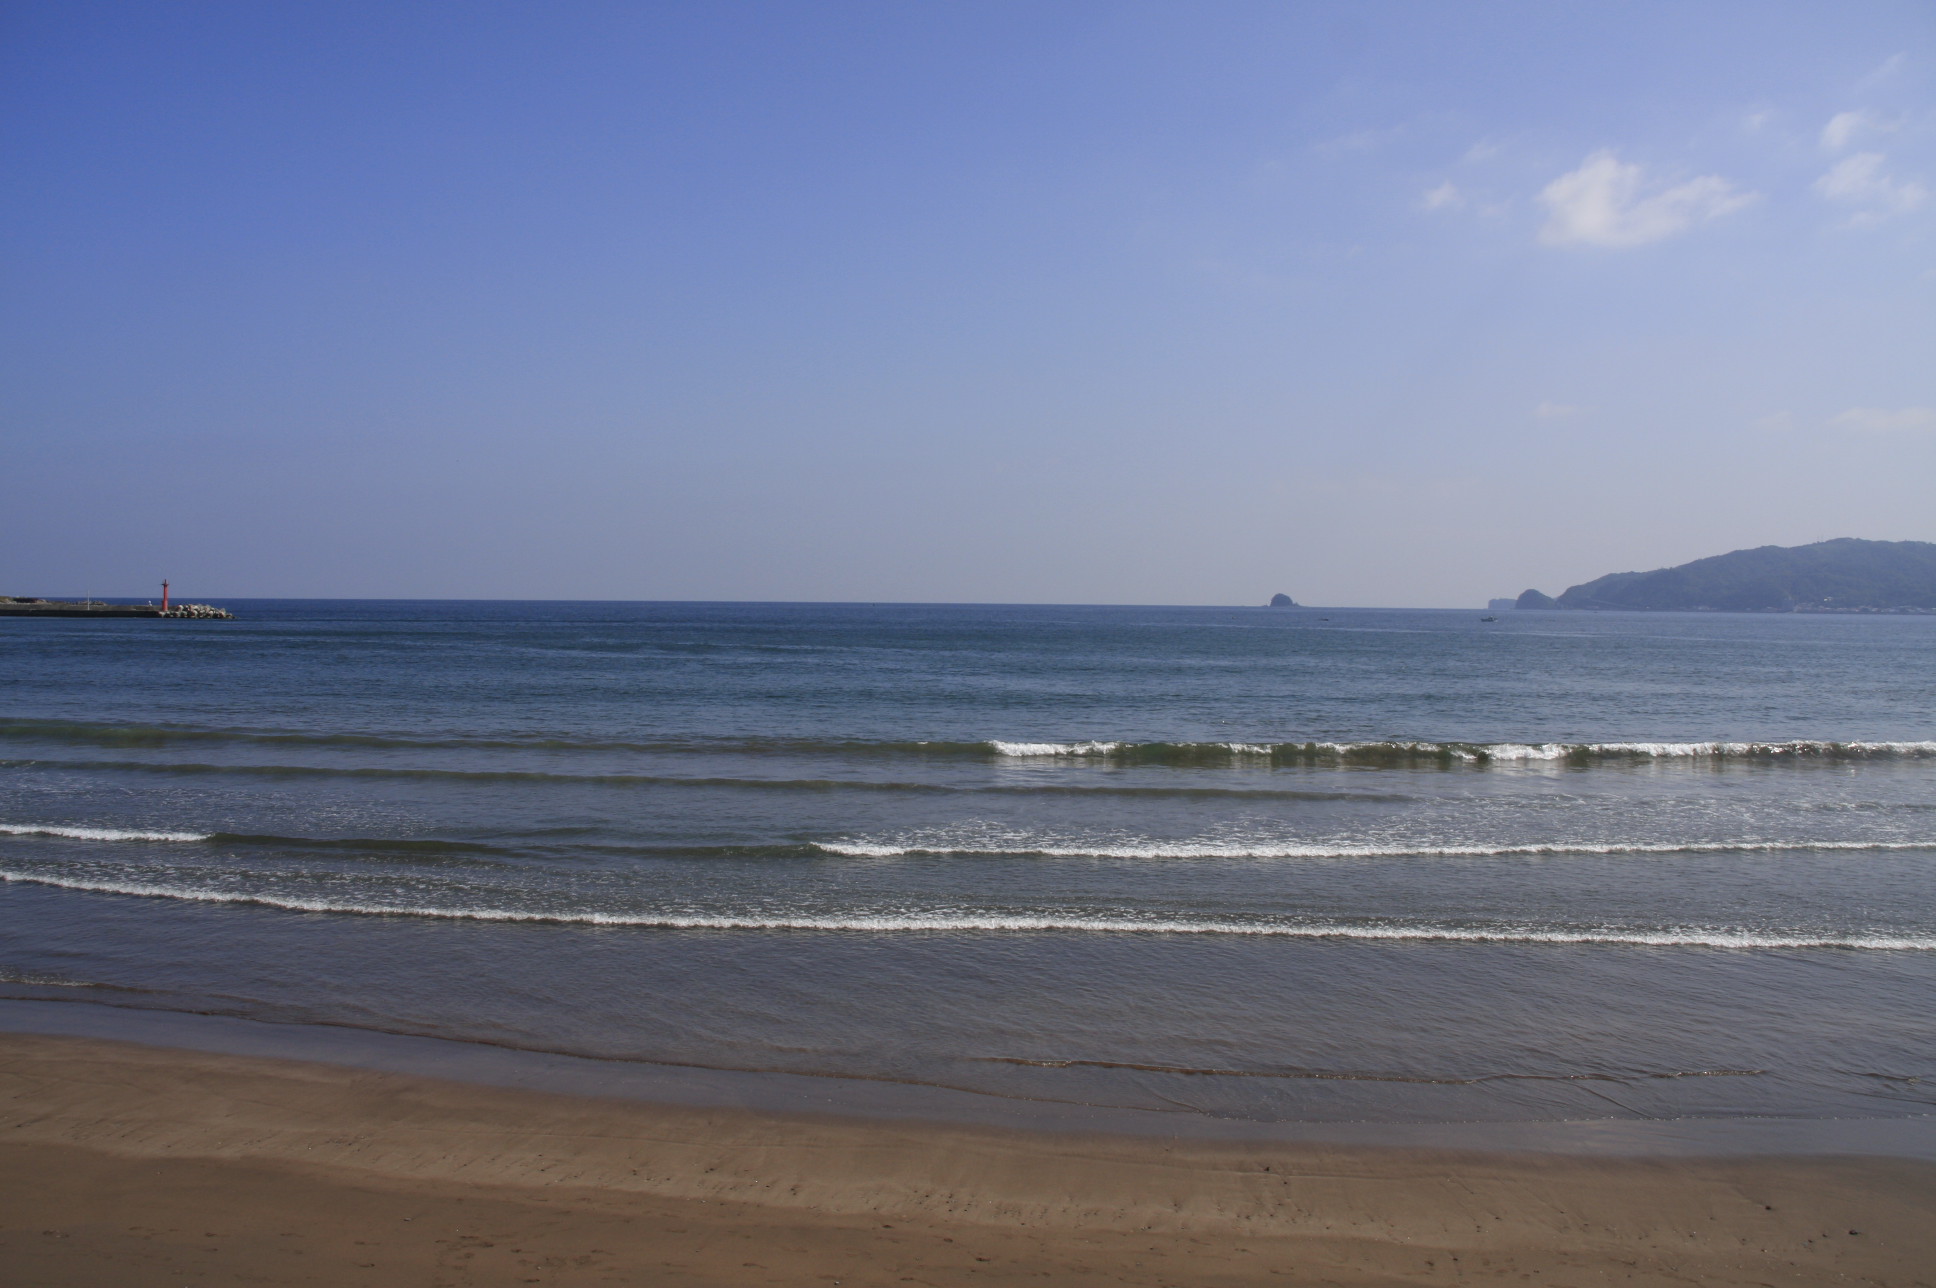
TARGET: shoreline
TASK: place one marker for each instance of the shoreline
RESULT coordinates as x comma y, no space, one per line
863,1100
130,1163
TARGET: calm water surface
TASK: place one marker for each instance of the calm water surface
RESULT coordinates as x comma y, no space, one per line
1283,865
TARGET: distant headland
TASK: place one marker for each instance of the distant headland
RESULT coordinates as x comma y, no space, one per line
1847,575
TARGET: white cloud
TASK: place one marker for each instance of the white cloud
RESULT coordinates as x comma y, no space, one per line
1601,204
1556,411
1842,127
1483,150
1887,420
1886,72
1444,197
1859,181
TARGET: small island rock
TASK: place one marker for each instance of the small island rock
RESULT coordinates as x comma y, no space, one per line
1282,601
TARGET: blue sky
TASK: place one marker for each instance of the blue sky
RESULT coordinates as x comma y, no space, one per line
1406,304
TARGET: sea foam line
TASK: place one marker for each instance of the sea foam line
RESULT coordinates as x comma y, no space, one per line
98,833
1697,750
1054,748
1176,850
1466,752
1099,748
1189,850
959,922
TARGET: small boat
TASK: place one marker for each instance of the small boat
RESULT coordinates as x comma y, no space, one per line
1488,619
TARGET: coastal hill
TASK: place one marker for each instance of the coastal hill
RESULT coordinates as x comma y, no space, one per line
1846,575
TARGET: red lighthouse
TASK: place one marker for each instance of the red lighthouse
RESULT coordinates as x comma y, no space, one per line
164,594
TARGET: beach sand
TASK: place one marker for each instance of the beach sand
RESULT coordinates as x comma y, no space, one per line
133,1165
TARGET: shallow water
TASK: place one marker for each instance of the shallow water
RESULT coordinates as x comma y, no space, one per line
1314,865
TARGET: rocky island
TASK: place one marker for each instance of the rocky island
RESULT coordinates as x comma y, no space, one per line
1847,575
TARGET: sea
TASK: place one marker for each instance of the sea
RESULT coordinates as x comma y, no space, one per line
1234,864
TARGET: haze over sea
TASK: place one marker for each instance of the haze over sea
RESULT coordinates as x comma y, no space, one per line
1285,865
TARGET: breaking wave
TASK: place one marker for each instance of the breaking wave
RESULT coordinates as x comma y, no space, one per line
98,833
407,845
1241,850
958,922
1020,846
1477,753
1185,753
414,846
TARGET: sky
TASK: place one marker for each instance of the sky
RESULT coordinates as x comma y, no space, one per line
1401,304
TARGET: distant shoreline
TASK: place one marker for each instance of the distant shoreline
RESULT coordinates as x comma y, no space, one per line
1807,610
1845,575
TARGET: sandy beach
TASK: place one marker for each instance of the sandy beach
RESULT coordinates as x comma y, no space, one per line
134,1165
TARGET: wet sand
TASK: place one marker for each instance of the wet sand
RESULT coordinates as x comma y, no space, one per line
135,1165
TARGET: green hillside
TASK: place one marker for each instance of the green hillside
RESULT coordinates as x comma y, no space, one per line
1845,575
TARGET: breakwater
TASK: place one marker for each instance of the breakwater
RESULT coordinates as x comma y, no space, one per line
18,606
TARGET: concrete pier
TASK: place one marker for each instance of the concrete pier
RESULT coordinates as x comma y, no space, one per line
22,606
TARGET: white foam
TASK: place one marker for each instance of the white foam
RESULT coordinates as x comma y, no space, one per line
1110,748
1214,850
1505,751
1448,750
1649,750
887,923
1055,748
43,981
1673,750
1528,751
96,833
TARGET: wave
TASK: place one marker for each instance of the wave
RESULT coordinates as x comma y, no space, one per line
120,735
98,833
404,844
1181,753
1820,749
887,923
1476,753
1021,848
137,735
687,780
1240,850
43,981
